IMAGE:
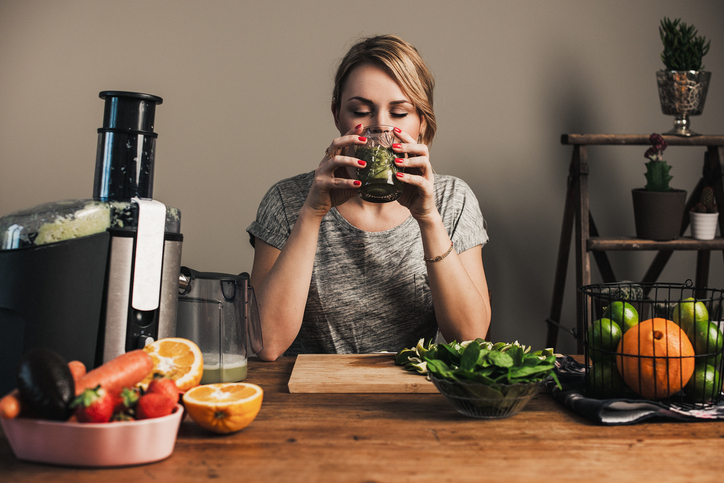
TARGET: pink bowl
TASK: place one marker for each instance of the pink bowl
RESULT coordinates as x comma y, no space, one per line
84,444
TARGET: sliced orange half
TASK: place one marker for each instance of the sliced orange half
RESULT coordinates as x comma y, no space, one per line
178,359
224,407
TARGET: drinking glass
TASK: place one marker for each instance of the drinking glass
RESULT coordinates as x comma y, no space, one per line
379,177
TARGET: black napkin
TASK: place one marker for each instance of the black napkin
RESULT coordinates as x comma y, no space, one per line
618,411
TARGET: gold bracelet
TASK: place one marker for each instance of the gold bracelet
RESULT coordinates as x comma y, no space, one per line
441,257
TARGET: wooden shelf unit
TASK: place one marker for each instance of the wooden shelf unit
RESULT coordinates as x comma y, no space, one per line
577,218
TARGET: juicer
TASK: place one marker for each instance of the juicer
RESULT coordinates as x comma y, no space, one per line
94,278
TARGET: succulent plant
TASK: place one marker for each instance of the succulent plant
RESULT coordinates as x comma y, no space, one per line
657,170
683,48
707,201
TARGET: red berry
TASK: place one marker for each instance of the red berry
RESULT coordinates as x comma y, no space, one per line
94,406
154,405
165,386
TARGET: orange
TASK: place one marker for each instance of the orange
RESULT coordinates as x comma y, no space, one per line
225,407
655,358
178,359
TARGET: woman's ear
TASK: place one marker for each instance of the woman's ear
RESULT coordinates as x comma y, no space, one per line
423,127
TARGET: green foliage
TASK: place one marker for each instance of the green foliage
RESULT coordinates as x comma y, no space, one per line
683,48
657,176
491,364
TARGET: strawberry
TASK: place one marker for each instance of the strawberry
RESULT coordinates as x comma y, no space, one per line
126,404
165,386
94,406
154,405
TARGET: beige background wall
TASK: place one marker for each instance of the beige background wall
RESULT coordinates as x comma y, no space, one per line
246,88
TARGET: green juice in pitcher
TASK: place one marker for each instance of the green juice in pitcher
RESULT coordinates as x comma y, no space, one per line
233,372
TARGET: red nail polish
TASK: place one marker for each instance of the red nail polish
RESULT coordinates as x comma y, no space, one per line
362,163
358,126
397,129
397,146
357,182
400,175
362,138
398,160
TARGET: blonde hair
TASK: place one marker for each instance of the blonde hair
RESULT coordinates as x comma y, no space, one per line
404,64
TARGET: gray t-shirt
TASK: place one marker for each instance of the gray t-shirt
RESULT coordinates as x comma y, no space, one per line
369,290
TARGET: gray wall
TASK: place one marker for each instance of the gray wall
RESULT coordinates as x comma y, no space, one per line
246,88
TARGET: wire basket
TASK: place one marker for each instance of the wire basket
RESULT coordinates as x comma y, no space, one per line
654,341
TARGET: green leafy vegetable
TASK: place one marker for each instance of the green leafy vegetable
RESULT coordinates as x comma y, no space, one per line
480,361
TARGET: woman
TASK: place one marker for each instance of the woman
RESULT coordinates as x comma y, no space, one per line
335,274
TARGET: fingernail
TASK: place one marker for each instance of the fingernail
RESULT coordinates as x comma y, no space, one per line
358,126
400,175
398,160
361,162
362,138
357,182
397,129
396,146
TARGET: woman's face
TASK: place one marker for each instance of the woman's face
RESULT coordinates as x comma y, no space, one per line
371,97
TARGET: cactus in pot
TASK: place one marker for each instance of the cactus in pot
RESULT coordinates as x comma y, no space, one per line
657,169
684,83
707,201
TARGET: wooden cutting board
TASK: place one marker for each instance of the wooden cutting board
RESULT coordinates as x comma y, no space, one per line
354,373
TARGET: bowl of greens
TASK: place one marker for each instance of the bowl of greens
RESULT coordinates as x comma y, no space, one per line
482,379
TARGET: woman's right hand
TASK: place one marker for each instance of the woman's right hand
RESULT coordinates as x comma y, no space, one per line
332,183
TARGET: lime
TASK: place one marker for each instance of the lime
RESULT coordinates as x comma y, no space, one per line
603,380
706,338
704,385
623,313
603,336
689,311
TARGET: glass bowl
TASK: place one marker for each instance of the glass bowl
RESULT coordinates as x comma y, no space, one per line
478,400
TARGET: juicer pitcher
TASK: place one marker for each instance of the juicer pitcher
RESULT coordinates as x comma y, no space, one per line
218,312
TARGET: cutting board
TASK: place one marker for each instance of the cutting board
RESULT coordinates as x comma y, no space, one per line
354,373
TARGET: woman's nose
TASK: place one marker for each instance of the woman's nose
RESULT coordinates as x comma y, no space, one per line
382,119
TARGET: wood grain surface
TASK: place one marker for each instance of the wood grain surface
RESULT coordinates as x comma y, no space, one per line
355,374
416,438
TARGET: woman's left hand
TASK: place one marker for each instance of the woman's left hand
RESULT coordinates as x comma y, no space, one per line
418,177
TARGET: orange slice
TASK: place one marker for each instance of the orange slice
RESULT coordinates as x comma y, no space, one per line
178,359
224,407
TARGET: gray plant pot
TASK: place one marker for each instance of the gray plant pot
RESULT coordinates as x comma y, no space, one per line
682,94
658,215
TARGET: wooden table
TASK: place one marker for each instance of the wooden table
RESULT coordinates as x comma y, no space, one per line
410,437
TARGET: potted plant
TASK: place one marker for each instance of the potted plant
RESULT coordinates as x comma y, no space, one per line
658,208
704,216
684,83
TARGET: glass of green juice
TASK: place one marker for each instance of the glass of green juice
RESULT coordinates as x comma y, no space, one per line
379,176
217,311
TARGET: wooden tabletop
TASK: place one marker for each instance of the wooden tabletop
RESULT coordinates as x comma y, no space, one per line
410,437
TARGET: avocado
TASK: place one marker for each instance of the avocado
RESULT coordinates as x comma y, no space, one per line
46,384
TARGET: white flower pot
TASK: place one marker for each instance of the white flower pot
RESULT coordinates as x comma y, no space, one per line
703,225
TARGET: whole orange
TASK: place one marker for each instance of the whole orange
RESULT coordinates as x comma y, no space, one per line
655,358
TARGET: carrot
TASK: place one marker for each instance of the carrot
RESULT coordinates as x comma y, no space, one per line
126,370
77,368
10,405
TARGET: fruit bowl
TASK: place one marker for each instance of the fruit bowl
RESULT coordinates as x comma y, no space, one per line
122,443
478,400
